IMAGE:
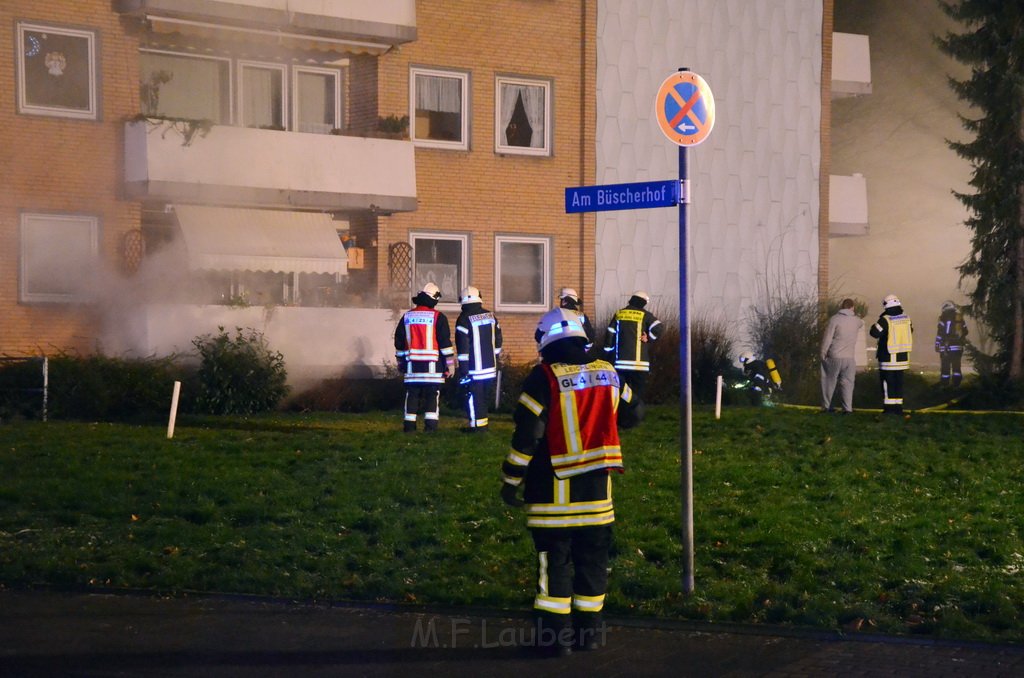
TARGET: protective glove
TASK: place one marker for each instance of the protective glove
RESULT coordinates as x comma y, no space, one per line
508,495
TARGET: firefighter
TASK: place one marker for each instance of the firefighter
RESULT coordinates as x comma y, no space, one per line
627,339
564,447
570,301
895,335
763,378
423,349
950,338
477,346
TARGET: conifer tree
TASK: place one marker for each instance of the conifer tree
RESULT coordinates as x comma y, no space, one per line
992,44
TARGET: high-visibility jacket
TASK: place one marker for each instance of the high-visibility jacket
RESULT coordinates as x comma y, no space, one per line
423,346
895,334
623,338
477,343
566,442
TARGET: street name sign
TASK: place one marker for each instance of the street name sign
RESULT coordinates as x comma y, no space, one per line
633,196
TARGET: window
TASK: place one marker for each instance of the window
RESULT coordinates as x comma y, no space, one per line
522,116
58,256
523,273
440,111
57,72
178,86
317,97
440,259
261,96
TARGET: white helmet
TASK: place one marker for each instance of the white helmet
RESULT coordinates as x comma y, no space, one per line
643,295
431,290
470,295
558,324
569,293
890,301
948,306
746,357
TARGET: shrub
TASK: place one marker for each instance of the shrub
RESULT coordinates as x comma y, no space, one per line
788,329
238,375
92,387
711,353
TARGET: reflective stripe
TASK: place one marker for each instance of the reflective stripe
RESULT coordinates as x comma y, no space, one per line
565,507
588,603
551,604
517,458
635,365
576,521
511,480
531,404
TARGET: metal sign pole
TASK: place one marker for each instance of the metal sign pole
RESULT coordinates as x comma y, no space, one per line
685,409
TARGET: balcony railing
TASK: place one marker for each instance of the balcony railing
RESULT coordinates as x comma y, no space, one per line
267,168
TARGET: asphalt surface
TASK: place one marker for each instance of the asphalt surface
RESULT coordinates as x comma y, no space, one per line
58,634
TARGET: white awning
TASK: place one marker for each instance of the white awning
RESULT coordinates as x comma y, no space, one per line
235,239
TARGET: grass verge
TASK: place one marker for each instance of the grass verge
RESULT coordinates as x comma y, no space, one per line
861,522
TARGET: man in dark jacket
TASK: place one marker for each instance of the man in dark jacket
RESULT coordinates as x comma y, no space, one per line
627,339
895,335
477,346
423,349
564,447
950,338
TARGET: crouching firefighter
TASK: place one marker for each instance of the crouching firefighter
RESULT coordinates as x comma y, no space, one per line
564,448
762,379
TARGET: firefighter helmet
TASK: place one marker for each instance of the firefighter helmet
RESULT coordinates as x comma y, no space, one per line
558,324
948,306
431,290
746,357
890,301
643,295
569,293
470,295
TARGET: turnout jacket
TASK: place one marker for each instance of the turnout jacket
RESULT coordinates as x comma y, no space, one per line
423,346
951,333
895,335
566,442
477,342
622,342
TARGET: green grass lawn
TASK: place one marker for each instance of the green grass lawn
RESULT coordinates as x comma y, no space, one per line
861,522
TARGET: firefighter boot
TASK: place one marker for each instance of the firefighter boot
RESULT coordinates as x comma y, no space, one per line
590,630
553,635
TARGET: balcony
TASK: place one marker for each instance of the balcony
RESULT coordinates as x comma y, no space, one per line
851,65
244,167
847,205
353,25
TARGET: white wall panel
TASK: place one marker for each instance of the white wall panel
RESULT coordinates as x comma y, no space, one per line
754,181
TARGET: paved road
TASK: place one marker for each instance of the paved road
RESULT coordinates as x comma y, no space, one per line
54,634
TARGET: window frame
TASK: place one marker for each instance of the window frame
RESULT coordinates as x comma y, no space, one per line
466,128
241,65
464,240
513,307
548,86
26,295
339,116
229,81
92,111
